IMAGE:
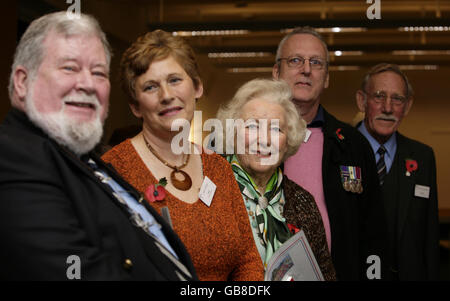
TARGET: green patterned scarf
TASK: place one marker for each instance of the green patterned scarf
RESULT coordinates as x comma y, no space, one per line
272,226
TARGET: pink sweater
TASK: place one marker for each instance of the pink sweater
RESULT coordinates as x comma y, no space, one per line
305,169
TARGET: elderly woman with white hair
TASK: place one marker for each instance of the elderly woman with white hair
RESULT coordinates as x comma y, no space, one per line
271,131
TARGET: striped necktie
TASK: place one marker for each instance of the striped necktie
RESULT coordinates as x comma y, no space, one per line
381,165
182,272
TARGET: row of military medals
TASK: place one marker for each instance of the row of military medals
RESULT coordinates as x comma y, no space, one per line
351,179
354,186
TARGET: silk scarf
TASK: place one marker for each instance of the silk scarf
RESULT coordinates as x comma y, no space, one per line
271,225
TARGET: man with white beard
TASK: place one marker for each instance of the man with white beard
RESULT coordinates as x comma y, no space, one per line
64,214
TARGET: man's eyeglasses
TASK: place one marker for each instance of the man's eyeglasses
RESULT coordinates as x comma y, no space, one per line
380,97
298,62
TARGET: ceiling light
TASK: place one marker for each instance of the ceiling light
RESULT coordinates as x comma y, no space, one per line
424,28
210,33
346,53
250,70
331,29
341,29
269,69
216,55
418,67
421,52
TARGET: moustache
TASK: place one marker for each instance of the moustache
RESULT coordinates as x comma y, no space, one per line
82,98
386,117
305,81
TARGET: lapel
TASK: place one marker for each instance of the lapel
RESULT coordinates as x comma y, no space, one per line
333,147
88,172
152,250
405,183
19,120
173,239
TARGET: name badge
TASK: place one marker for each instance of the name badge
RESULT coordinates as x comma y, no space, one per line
422,191
207,191
307,135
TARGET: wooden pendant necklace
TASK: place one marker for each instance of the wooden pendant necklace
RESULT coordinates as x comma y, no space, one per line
184,184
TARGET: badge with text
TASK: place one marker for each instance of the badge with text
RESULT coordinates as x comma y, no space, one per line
207,191
422,191
351,178
307,135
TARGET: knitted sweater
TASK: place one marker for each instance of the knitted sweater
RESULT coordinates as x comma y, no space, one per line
301,211
219,237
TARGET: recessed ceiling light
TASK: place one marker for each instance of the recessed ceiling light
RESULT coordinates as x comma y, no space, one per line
215,55
211,32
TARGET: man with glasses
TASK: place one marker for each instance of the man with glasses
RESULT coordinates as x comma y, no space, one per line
407,174
334,163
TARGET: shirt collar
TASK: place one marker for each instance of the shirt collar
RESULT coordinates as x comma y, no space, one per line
390,145
319,120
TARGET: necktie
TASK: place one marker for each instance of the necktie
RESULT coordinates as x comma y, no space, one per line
381,165
138,221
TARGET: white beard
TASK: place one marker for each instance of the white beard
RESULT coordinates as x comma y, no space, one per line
79,137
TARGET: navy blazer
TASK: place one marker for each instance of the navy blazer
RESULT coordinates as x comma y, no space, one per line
357,220
413,217
52,206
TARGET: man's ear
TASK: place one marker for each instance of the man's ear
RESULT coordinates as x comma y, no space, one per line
21,78
361,101
327,80
408,106
276,71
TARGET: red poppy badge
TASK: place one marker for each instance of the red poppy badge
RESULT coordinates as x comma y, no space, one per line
411,165
339,135
156,192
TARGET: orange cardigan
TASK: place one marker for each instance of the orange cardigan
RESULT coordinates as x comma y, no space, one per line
218,238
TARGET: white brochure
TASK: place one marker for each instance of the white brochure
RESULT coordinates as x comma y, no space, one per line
294,261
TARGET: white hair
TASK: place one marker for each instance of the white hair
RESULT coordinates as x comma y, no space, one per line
274,91
79,137
30,53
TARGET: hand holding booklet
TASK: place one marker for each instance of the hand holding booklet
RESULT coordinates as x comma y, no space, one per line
294,261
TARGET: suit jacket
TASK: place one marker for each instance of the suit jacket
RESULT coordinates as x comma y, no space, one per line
357,220
52,206
413,222
301,211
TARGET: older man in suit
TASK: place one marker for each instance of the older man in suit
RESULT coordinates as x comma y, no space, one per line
334,163
64,214
407,174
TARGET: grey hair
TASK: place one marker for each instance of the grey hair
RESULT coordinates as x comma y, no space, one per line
30,53
274,91
384,67
300,30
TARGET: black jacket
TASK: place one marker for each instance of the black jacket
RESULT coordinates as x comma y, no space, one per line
413,222
52,206
357,220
